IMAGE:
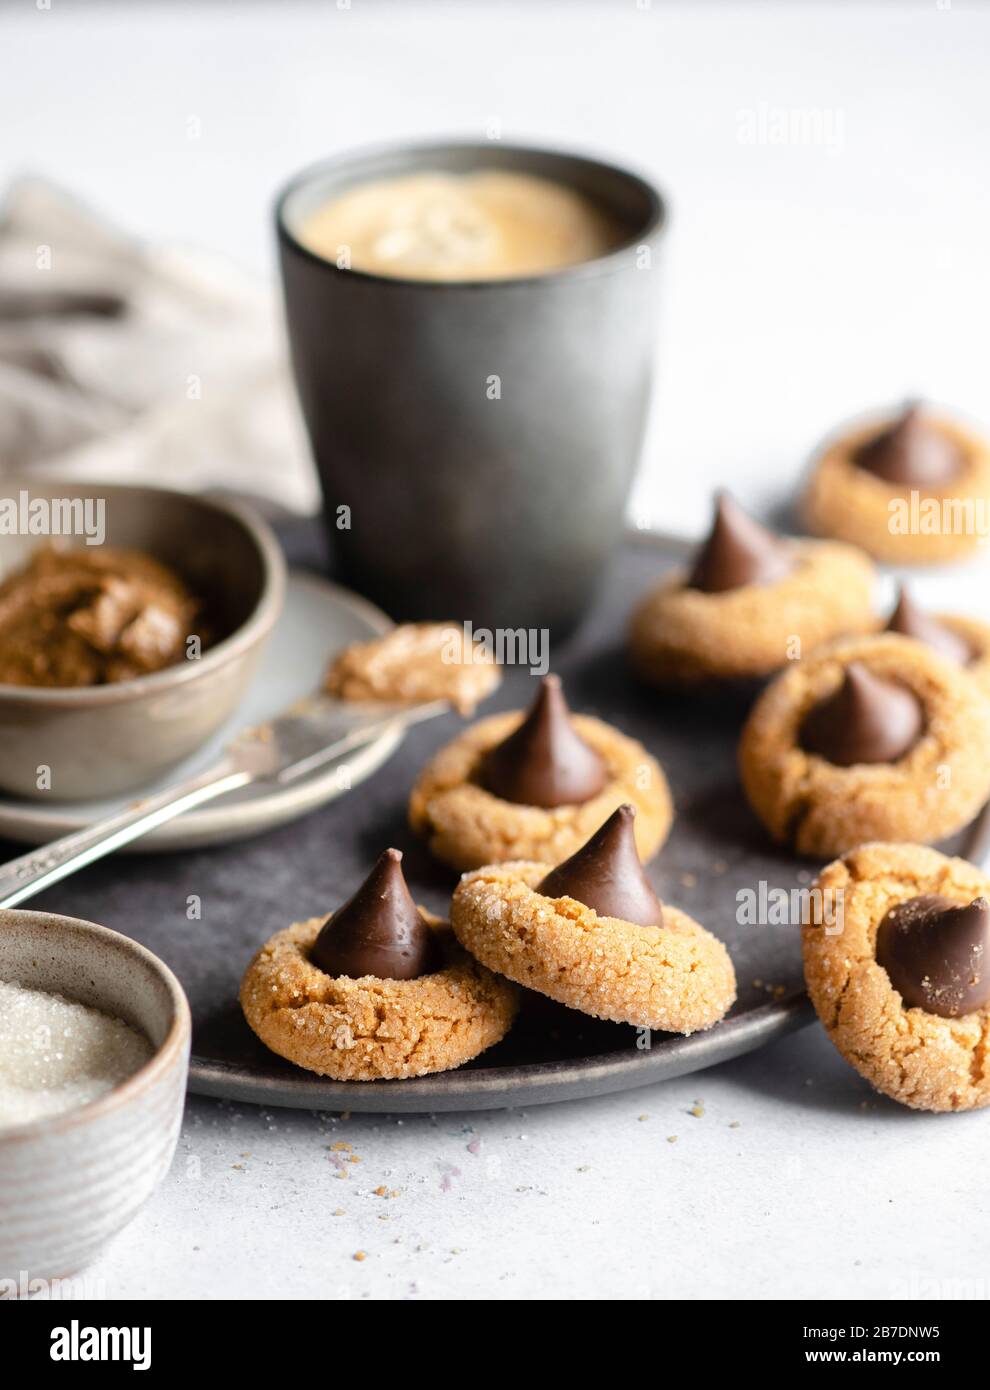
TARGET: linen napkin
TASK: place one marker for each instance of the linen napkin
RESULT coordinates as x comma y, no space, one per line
122,361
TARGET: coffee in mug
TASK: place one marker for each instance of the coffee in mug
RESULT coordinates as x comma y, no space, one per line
489,224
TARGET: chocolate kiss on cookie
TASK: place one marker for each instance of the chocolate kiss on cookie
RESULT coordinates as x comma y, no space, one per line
545,762
912,450
379,931
911,621
738,552
605,874
936,953
867,720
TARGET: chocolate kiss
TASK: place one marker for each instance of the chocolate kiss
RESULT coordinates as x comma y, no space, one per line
867,720
935,952
606,875
545,762
911,621
911,450
379,931
738,551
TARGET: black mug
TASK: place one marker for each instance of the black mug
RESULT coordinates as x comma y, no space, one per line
476,440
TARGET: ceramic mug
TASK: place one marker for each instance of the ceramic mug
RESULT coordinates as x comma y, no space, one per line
476,440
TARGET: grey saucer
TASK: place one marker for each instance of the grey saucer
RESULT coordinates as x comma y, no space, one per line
317,619
243,893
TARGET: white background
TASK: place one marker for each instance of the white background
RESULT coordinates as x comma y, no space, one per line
806,281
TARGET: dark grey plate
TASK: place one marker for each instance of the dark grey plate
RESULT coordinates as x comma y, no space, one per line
243,893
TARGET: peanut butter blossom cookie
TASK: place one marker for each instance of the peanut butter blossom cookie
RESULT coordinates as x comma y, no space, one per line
902,983
913,490
593,935
749,603
874,738
964,640
534,786
378,990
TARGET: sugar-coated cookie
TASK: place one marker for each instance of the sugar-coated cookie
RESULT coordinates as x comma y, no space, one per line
877,737
660,971
534,786
750,603
378,990
906,488
909,1026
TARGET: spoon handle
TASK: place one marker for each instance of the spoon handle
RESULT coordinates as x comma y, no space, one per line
23,877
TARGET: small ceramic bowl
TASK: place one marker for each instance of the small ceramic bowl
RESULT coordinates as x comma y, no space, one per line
107,739
70,1182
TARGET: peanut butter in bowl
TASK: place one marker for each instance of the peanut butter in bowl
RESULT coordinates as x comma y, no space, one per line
92,616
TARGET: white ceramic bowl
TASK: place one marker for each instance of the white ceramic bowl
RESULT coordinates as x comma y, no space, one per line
70,1182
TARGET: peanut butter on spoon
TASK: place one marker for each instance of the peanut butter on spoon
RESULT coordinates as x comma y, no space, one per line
416,662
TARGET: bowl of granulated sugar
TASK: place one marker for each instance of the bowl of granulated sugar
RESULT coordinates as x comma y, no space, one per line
94,1051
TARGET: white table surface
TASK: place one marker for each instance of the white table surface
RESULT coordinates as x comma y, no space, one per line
805,282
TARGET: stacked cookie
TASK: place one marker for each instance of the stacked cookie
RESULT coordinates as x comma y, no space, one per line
552,813
591,933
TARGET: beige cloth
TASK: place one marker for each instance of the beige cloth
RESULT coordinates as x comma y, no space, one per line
121,361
